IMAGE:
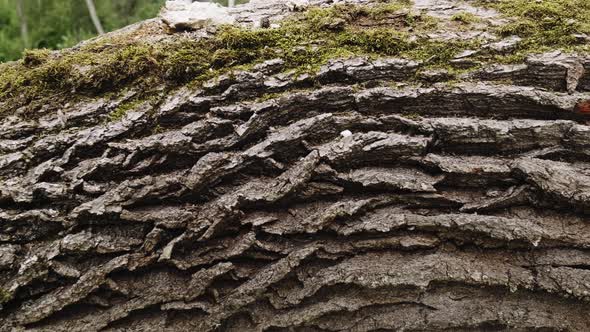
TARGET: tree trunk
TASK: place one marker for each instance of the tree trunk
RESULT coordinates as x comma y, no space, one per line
366,196
24,28
94,17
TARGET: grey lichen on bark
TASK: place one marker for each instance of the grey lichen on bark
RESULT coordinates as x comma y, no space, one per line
374,193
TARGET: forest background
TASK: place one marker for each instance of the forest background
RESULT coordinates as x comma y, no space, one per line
57,24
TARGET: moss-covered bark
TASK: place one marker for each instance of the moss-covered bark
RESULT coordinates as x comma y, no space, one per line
305,41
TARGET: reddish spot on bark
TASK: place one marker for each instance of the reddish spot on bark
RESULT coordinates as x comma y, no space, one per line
583,107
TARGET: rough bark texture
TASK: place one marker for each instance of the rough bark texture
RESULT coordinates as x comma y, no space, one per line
458,207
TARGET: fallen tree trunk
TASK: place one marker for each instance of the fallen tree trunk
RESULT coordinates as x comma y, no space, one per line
265,200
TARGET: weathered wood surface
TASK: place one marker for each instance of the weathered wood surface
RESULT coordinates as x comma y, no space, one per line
458,207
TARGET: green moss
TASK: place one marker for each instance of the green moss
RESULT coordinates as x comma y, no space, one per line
544,25
438,53
380,40
423,23
33,58
157,129
465,18
305,42
234,38
277,95
120,112
383,10
144,100
185,60
4,296
334,18
268,96
413,116
11,78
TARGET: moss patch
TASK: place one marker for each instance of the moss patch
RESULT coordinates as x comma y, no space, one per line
122,110
304,42
4,296
33,58
465,18
544,25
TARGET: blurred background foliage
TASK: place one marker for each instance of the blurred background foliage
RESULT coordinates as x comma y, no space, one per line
56,24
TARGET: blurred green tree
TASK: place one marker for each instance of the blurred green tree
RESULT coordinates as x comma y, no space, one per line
57,24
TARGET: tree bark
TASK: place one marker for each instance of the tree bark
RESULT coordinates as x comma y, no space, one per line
345,200
94,17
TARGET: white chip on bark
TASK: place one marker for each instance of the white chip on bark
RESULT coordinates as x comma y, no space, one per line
295,5
182,14
346,133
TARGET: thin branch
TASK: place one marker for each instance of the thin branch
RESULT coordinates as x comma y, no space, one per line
94,16
24,27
